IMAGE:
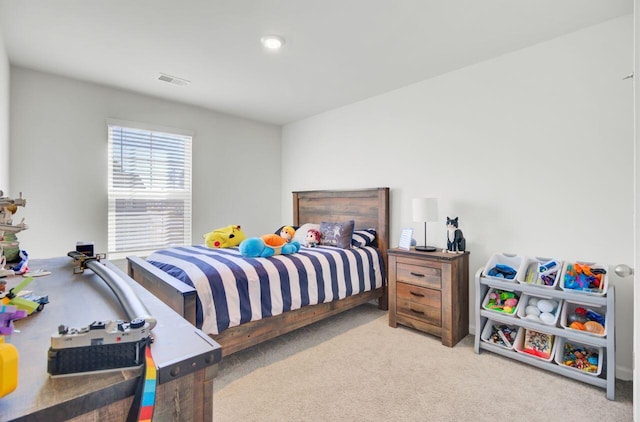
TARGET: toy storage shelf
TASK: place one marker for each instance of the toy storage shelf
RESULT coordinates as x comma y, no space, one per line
605,380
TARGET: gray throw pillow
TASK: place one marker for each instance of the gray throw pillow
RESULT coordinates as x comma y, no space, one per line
337,234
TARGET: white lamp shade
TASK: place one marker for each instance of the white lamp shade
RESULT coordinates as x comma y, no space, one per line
425,209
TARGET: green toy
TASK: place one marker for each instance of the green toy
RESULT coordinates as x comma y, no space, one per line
13,299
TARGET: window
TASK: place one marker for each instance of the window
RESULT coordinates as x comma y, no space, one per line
149,190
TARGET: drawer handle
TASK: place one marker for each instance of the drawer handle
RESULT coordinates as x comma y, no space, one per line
417,274
417,312
416,294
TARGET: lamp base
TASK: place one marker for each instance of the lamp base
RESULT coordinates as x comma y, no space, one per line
426,248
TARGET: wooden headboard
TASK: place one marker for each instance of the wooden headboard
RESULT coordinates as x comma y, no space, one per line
368,207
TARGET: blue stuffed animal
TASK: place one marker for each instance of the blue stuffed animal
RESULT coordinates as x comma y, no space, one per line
267,245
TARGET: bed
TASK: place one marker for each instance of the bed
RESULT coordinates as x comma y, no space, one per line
369,208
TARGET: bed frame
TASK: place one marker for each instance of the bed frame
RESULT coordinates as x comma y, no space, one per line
368,207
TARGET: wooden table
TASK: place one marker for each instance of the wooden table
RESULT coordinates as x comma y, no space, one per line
429,291
186,359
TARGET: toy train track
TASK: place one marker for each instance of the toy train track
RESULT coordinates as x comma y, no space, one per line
102,345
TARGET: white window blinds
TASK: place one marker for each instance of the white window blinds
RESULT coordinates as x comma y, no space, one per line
149,190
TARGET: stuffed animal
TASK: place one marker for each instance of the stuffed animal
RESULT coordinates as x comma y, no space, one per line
287,233
21,267
225,237
313,238
267,245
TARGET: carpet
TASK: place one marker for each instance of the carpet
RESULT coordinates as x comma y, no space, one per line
354,367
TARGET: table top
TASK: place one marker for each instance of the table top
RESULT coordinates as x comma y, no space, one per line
437,254
76,300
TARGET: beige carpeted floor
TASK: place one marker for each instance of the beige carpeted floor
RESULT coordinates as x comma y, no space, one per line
354,367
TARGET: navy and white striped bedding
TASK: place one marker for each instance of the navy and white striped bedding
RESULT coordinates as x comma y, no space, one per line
233,289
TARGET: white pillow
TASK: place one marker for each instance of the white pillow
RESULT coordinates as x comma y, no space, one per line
301,233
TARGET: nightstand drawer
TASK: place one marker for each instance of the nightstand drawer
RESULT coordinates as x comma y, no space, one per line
420,303
421,275
420,295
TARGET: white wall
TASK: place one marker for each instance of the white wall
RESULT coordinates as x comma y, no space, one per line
4,118
636,220
59,161
532,150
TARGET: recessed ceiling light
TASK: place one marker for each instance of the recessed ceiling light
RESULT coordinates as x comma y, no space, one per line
272,42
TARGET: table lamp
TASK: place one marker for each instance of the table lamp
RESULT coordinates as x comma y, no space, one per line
426,210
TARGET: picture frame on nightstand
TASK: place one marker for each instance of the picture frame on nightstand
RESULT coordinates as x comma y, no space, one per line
405,239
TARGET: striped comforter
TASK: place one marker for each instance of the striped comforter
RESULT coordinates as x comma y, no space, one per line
233,289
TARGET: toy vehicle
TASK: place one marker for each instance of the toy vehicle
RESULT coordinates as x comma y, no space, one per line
24,302
40,300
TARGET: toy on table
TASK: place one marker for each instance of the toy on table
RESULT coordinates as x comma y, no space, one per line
8,314
225,237
30,304
8,239
287,233
3,262
22,266
8,367
586,320
8,352
19,268
580,357
584,277
313,238
503,301
502,271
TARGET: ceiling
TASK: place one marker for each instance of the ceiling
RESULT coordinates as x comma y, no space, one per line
337,52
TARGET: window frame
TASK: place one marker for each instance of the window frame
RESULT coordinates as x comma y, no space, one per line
164,193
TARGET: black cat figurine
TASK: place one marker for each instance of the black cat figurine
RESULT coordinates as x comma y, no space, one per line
455,240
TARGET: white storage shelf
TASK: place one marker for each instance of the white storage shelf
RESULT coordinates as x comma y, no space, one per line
605,380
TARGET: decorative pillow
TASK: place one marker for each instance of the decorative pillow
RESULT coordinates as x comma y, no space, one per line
363,238
301,232
337,234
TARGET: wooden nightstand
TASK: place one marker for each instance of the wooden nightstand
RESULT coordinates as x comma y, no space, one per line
429,291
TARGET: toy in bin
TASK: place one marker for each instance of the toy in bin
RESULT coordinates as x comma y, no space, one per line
542,273
502,271
584,277
586,320
502,301
503,335
580,357
538,344
540,310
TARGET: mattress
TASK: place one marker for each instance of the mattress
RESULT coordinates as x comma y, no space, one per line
233,290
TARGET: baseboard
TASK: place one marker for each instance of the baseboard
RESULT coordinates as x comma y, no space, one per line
623,373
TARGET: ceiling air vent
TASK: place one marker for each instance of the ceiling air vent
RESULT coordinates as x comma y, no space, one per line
173,80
